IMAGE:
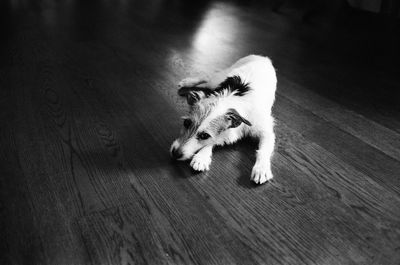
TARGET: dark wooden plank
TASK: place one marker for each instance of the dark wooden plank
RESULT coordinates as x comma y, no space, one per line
50,222
374,134
89,108
165,231
343,145
20,240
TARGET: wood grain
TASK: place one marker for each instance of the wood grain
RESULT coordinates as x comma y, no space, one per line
345,146
370,132
89,108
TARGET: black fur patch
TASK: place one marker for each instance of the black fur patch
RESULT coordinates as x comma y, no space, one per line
232,84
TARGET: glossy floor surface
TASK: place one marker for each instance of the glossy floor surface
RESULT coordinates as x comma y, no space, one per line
89,108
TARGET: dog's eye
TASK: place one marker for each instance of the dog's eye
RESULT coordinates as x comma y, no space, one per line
203,136
187,123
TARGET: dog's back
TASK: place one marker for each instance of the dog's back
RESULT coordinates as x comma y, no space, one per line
259,72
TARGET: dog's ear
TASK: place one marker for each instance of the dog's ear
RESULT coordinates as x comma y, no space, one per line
194,96
234,119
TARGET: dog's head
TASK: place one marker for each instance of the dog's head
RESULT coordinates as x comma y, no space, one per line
210,114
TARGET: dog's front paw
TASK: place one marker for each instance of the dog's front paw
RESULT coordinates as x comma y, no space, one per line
188,82
201,162
261,174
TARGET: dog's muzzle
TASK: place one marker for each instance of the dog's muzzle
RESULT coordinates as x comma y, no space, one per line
176,153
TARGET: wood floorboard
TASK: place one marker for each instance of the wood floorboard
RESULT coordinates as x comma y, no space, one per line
19,231
374,134
365,158
89,108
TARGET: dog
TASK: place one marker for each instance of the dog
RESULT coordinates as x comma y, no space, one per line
225,107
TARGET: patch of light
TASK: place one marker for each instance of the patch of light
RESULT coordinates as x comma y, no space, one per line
215,37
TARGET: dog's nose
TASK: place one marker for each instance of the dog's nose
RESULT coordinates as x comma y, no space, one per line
176,153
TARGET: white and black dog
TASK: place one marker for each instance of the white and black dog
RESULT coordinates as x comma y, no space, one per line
226,106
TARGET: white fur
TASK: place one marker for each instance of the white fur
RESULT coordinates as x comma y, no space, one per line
255,106
201,160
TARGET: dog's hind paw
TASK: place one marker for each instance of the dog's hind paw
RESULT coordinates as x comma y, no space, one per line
191,82
187,82
261,174
200,162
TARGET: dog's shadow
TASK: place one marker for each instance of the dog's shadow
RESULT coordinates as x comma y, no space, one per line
247,158
243,155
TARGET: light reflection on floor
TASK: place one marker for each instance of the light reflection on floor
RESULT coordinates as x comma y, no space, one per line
215,35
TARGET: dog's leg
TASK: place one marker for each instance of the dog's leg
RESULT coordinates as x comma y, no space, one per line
202,160
205,81
195,81
262,169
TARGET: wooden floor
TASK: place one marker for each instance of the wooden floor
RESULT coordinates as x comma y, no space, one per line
89,108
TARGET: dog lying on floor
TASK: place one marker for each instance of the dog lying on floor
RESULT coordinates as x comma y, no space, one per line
225,107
